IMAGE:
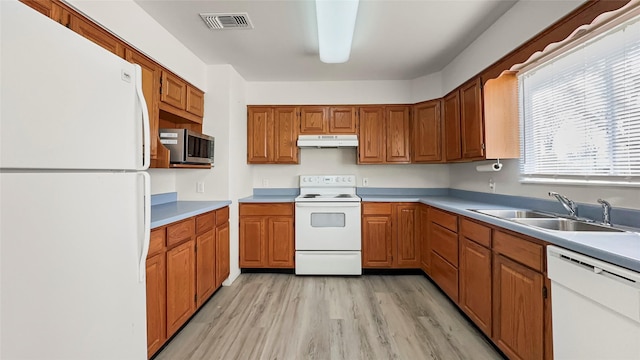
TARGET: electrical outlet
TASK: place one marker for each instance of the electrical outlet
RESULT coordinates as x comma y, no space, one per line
365,182
200,187
265,183
492,185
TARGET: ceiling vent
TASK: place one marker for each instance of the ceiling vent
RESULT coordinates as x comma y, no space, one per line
217,21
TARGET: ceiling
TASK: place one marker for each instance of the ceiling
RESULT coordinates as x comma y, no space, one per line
393,39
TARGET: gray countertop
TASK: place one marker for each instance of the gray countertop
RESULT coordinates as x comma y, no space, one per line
166,213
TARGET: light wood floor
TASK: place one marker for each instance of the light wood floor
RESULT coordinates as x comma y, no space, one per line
281,316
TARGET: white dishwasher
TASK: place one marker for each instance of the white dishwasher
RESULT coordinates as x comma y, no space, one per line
595,308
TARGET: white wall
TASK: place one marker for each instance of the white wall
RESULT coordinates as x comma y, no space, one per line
520,23
230,177
426,87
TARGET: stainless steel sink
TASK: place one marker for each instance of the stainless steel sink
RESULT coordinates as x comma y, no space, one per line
514,214
561,224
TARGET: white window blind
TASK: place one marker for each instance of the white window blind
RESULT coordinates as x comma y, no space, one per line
580,112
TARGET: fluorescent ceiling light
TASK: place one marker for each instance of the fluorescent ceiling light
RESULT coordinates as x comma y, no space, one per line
336,22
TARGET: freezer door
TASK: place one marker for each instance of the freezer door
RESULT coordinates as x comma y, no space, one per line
66,102
71,248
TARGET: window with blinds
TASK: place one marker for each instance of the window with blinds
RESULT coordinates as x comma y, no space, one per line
580,112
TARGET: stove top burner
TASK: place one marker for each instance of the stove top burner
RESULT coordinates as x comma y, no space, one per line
311,196
344,196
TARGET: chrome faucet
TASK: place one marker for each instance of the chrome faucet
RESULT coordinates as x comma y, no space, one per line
606,212
568,204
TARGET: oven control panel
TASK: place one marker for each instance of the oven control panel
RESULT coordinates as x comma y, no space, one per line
328,180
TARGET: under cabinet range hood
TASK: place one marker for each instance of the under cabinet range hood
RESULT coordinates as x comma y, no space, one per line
327,141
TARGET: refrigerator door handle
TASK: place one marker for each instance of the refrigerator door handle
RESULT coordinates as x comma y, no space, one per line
142,268
146,131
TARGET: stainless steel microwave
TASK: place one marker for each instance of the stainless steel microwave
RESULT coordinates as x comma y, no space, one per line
187,147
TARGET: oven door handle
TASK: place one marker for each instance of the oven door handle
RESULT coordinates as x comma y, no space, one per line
329,204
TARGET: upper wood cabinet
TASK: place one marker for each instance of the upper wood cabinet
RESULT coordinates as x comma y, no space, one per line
173,91
328,120
426,134
384,134
501,118
463,122
51,9
272,133
97,35
397,134
471,120
371,137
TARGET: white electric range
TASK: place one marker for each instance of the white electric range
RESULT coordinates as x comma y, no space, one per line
328,231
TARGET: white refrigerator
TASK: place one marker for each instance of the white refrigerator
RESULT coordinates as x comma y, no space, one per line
74,196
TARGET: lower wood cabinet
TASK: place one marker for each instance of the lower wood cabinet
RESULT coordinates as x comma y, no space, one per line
188,260
475,283
390,235
267,235
443,241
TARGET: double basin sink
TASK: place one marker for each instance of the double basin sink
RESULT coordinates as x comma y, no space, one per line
546,221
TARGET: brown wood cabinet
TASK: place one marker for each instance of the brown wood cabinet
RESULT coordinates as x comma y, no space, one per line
173,90
156,281
443,241
195,101
187,262
371,135
426,134
97,35
397,134
390,235
266,235
272,133
518,321
475,273
471,120
425,249
451,119
328,120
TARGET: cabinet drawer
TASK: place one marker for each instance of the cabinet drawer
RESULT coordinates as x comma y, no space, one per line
269,209
205,222
222,216
156,243
445,275
180,231
520,250
376,208
476,232
444,219
445,243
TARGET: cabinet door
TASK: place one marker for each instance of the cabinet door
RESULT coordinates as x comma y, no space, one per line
260,135
174,91
398,137
426,132
471,120
150,85
372,146
253,242
475,283
97,35
222,253
281,242
195,101
451,116
425,248
407,243
517,309
313,120
343,120
377,242
181,290
42,6
205,266
287,123
156,306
